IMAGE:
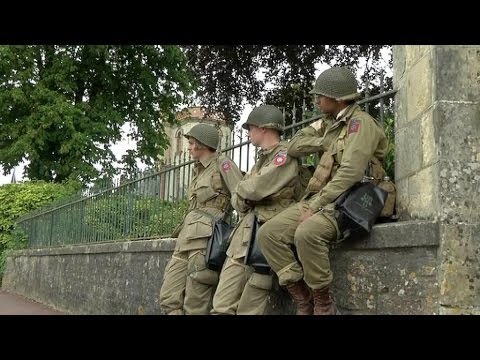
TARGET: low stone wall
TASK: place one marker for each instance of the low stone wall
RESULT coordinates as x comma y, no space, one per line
393,271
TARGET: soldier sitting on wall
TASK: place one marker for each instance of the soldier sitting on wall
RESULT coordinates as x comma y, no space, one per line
349,142
270,187
188,284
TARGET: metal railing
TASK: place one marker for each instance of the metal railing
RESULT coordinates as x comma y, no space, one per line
149,204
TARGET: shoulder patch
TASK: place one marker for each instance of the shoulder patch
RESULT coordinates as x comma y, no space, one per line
354,126
280,158
226,165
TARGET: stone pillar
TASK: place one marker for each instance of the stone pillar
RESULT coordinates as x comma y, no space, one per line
437,165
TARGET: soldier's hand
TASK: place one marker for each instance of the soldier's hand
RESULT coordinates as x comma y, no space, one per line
306,214
317,124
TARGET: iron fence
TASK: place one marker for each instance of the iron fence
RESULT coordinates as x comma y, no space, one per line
148,204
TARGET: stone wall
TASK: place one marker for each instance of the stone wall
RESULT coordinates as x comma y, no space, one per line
438,159
109,278
391,272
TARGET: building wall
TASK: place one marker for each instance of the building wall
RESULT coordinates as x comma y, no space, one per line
438,159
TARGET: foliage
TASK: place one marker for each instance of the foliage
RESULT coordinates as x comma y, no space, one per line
229,74
19,199
61,106
390,158
129,217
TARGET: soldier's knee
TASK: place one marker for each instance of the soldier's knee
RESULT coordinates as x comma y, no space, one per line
302,233
264,234
303,239
260,281
197,270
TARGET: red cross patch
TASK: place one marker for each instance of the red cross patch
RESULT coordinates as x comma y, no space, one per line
354,126
226,166
280,159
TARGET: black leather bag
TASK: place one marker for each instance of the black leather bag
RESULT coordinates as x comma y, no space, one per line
218,244
254,257
358,208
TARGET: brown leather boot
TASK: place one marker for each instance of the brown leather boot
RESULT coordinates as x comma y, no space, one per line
302,296
324,304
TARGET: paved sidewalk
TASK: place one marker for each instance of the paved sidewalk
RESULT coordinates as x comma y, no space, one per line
13,304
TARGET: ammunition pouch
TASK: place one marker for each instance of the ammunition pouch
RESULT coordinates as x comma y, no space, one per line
260,281
322,174
197,270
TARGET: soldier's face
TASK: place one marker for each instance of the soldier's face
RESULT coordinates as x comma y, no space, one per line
195,149
255,134
327,105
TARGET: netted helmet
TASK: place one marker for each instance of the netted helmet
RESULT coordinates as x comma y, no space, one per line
337,83
206,134
266,116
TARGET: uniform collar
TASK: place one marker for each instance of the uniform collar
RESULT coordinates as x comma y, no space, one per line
348,112
339,115
265,152
344,115
207,161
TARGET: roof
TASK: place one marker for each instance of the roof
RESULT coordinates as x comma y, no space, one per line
197,112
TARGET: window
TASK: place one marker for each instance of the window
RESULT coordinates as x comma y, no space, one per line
179,138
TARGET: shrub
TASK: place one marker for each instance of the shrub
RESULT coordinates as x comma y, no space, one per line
19,199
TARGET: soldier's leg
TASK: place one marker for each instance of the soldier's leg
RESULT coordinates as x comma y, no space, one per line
232,281
173,287
201,283
276,239
312,239
255,295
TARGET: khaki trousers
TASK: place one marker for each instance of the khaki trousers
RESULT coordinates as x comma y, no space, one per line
241,291
311,239
188,285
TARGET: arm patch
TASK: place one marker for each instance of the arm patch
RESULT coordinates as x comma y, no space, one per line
354,126
280,159
226,166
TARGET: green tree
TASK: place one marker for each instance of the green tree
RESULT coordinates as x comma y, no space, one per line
277,74
61,107
19,199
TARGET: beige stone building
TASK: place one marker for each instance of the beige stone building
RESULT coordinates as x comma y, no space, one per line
174,179
188,118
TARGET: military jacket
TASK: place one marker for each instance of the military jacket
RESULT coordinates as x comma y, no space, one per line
345,148
270,187
209,192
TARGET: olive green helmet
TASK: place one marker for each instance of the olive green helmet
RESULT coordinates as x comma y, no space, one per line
266,116
206,134
337,83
